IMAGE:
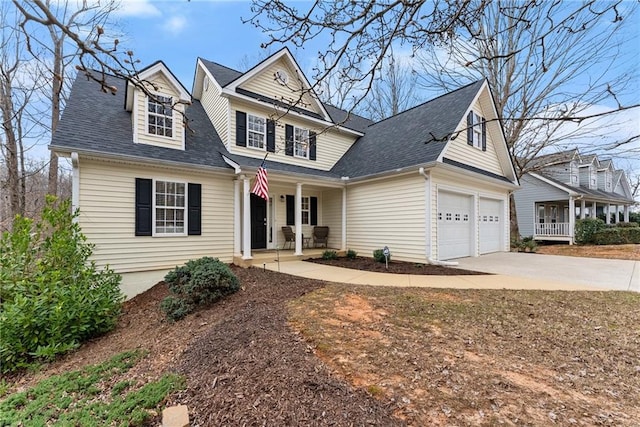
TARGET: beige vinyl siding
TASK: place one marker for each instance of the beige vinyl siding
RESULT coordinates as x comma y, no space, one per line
107,218
388,212
217,109
332,216
331,144
265,83
460,151
160,86
457,184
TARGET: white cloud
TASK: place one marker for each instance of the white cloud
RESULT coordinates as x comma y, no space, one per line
137,8
175,24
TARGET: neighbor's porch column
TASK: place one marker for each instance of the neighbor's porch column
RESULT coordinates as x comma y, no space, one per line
237,218
594,210
298,219
343,241
608,217
572,218
626,213
246,219
583,208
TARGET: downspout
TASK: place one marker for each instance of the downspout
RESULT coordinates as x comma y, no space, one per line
428,224
75,184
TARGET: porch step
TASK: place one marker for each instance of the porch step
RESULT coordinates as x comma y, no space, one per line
266,257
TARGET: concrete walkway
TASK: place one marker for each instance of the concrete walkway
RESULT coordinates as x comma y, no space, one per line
612,274
357,277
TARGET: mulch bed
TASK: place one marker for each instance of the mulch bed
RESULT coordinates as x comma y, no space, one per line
398,267
251,369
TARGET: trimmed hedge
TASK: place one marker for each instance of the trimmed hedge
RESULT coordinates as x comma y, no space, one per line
617,236
586,228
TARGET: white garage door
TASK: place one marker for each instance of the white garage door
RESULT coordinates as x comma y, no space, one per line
454,225
491,225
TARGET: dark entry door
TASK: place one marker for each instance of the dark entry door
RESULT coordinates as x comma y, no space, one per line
258,222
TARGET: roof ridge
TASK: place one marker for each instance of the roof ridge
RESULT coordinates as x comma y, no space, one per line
220,65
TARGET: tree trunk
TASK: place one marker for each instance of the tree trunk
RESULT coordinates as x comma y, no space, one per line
56,91
10,149
513,218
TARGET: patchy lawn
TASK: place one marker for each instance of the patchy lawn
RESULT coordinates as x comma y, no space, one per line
630,252
286,350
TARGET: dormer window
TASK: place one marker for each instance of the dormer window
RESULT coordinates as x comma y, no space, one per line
256,131
160,116
301,142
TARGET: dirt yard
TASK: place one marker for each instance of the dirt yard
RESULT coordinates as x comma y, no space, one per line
630,252
292,351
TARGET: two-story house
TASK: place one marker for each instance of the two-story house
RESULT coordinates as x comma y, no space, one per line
156,188
566,186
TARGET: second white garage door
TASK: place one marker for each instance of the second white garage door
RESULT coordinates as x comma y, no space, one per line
454,225
491,223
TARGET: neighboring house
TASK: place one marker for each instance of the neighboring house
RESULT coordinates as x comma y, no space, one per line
431,183
566,186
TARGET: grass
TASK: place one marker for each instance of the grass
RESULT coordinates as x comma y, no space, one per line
85,398
483,357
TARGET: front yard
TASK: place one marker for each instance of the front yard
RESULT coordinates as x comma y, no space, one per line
291,351
630,252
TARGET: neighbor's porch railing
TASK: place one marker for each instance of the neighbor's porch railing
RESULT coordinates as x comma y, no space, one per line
552,229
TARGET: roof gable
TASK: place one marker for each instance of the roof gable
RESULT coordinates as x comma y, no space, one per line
154,71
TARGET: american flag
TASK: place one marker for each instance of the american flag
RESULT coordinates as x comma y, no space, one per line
261,186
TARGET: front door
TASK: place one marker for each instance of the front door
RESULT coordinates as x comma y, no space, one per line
258,222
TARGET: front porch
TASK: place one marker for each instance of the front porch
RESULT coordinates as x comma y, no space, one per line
555,220
266,256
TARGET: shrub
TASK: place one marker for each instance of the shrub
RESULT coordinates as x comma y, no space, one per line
351,254
627,224
617,236
378,255
198,282
329,254
52,297
585,229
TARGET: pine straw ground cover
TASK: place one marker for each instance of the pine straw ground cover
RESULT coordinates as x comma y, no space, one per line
630,252
292,351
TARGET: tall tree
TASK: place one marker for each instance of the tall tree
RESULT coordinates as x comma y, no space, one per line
69,26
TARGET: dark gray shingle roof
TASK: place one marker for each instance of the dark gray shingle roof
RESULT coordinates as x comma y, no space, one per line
413,137
223,75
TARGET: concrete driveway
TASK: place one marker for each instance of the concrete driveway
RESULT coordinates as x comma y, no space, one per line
610,274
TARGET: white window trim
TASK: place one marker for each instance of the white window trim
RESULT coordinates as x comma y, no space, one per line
296,141
308,210
146,117
264,133
153,211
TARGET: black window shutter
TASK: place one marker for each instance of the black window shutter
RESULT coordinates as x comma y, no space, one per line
271,136
241,128
314,210
144,195
484,134
288,136
194,217
312,145
470,128
291,210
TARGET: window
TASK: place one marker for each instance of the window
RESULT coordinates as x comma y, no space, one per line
475,122
301,142
169,207
256,131
306,211
160,116
541,214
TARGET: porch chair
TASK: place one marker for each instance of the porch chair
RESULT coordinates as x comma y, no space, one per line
289,236
320,235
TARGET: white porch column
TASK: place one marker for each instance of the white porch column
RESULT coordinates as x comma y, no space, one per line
594,210
343,240
626,213
572,218
583,207
237,218
608,217
246,219
298,219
